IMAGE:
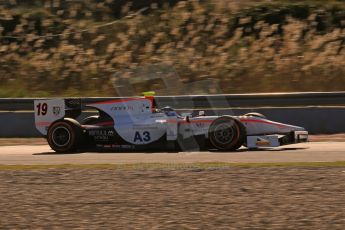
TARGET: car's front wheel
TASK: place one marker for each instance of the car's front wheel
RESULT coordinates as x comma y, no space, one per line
65,136
227,133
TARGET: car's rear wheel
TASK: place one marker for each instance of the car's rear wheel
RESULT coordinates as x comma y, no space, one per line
65,136
227,133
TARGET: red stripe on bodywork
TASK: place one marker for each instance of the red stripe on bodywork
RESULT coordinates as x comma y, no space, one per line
264,122
42,123
106,123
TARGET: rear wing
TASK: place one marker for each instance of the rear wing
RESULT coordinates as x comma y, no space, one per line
48,111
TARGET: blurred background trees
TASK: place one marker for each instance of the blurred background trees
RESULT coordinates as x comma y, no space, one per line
85,48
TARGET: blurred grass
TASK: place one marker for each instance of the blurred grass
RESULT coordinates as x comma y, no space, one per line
240,46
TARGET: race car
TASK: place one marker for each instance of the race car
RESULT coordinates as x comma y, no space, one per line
136,124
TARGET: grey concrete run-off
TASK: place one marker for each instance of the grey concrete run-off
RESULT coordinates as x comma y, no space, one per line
317,120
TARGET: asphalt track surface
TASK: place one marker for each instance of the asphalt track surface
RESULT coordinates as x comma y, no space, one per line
304,152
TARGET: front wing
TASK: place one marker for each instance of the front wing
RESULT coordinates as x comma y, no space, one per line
276,140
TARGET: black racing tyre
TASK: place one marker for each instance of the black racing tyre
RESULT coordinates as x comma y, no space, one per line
65,136
254,114
227,133
90,120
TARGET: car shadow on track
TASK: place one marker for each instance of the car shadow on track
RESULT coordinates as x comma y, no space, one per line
182,152
54,153
277,150
260,150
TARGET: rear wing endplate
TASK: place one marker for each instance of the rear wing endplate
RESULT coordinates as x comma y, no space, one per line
48,111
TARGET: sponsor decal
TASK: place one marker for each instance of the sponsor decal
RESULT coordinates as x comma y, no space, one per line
262,142
122,108
101,135
142,137
56,110
101,138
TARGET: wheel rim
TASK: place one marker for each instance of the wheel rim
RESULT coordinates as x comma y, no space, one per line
224,133
61,136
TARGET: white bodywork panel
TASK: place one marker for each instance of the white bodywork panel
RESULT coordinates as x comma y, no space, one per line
172,128
262,126
134,120
196,126
46,112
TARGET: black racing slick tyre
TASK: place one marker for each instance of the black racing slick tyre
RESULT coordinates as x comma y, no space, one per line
227,133
65,136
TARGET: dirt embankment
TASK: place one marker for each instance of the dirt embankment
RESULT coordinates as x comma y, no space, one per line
214,198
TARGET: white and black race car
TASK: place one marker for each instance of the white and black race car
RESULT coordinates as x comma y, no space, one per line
135,124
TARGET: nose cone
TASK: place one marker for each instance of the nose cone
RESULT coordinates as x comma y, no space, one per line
298,128
290,128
